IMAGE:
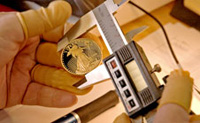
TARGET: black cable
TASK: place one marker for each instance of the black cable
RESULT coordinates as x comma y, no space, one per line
166,36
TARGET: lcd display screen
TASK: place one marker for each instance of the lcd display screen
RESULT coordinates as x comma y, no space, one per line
136,75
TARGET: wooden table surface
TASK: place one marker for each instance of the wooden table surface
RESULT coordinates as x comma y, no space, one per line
162,14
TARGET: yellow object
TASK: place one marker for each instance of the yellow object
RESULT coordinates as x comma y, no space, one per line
94,38
57,78
48,56
178,90
46,18
195,119
193,5
54,35
99,42
47,52
122,118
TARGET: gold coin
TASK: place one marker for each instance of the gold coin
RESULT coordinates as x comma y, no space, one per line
81,56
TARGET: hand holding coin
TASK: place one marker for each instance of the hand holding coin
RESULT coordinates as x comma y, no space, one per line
59,78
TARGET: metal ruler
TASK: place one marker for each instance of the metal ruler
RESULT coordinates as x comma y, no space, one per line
109,28
102,16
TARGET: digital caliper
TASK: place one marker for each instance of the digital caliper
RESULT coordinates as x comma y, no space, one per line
128,66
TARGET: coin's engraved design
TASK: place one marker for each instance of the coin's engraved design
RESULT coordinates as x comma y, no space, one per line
81,56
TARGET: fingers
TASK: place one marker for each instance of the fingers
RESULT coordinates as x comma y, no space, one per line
54,35
38,94
122,118
179,85
47,55
180,73
181,76
47,52
57,78
36,22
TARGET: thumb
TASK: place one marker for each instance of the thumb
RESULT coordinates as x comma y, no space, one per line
36,22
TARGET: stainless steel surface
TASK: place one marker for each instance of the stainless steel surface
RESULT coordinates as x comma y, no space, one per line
129,36
109,28
99,74
87,22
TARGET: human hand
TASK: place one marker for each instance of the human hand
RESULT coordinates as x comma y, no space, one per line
179,75
179,85
176,98
30,70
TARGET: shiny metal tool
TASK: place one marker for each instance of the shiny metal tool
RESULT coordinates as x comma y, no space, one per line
127,66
